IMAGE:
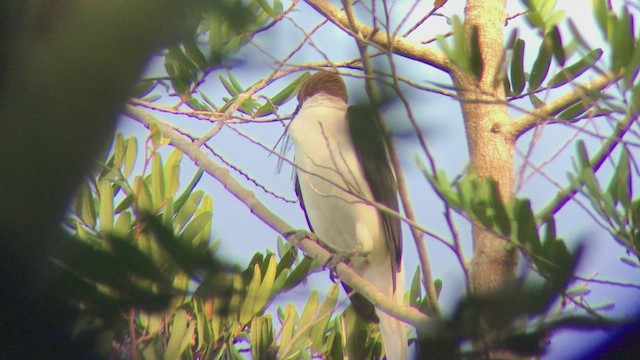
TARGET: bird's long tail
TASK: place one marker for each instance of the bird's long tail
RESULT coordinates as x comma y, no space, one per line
394,331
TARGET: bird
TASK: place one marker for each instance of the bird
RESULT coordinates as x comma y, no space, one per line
342,163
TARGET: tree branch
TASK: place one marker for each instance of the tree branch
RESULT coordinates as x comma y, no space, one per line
262,212
596,162
542,114
400,46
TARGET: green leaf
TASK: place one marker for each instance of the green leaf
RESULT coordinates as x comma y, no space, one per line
182,199
415,291
300,272
501,217
583,156
535,101
269,10
527,233
286,259
106,206
601,11
517,67
550,230
195,226
182,330
182,72
84,205
262,338
227,85
620,184
540,67
588,178
172,173
246,311
124,204
203,238
623,41
118,150
310,310
144,88
265,290
188,209
155,135
131,156
183,61
289,320
573,71
554,19
123,225
437,283
475,55
157,181
194,54
573,112
318,330
556,45
234,82
143,195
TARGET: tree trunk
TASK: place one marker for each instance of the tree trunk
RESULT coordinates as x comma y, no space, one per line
491,153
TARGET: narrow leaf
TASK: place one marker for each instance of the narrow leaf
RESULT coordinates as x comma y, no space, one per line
195,226
573,71
182,330
517,67
130,158
106,206
527,234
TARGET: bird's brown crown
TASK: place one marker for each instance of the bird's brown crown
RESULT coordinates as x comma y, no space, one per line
323,82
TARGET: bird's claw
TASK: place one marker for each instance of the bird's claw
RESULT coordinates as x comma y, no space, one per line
345,256
296,236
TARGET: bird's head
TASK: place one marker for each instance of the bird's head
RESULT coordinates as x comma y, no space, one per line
323,82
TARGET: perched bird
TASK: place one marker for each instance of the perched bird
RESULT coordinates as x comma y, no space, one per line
341,158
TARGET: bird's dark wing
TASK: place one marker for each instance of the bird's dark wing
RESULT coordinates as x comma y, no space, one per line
298,191
371,147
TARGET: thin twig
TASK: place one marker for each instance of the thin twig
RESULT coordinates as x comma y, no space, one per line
596,161
400,46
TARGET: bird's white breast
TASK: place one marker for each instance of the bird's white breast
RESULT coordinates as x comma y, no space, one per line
328,170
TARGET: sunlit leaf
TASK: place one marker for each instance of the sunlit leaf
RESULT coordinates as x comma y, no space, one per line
157,181
182,329
84,205
131,156
106,206
573,71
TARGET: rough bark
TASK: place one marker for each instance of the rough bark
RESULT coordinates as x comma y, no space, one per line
491,153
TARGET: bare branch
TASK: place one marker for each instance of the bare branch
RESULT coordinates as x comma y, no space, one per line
400,46
542,114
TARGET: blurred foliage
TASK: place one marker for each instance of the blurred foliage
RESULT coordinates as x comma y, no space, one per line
141,266
523,308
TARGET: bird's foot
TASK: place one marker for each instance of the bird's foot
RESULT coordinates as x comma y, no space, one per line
356,256
296,236
348,257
